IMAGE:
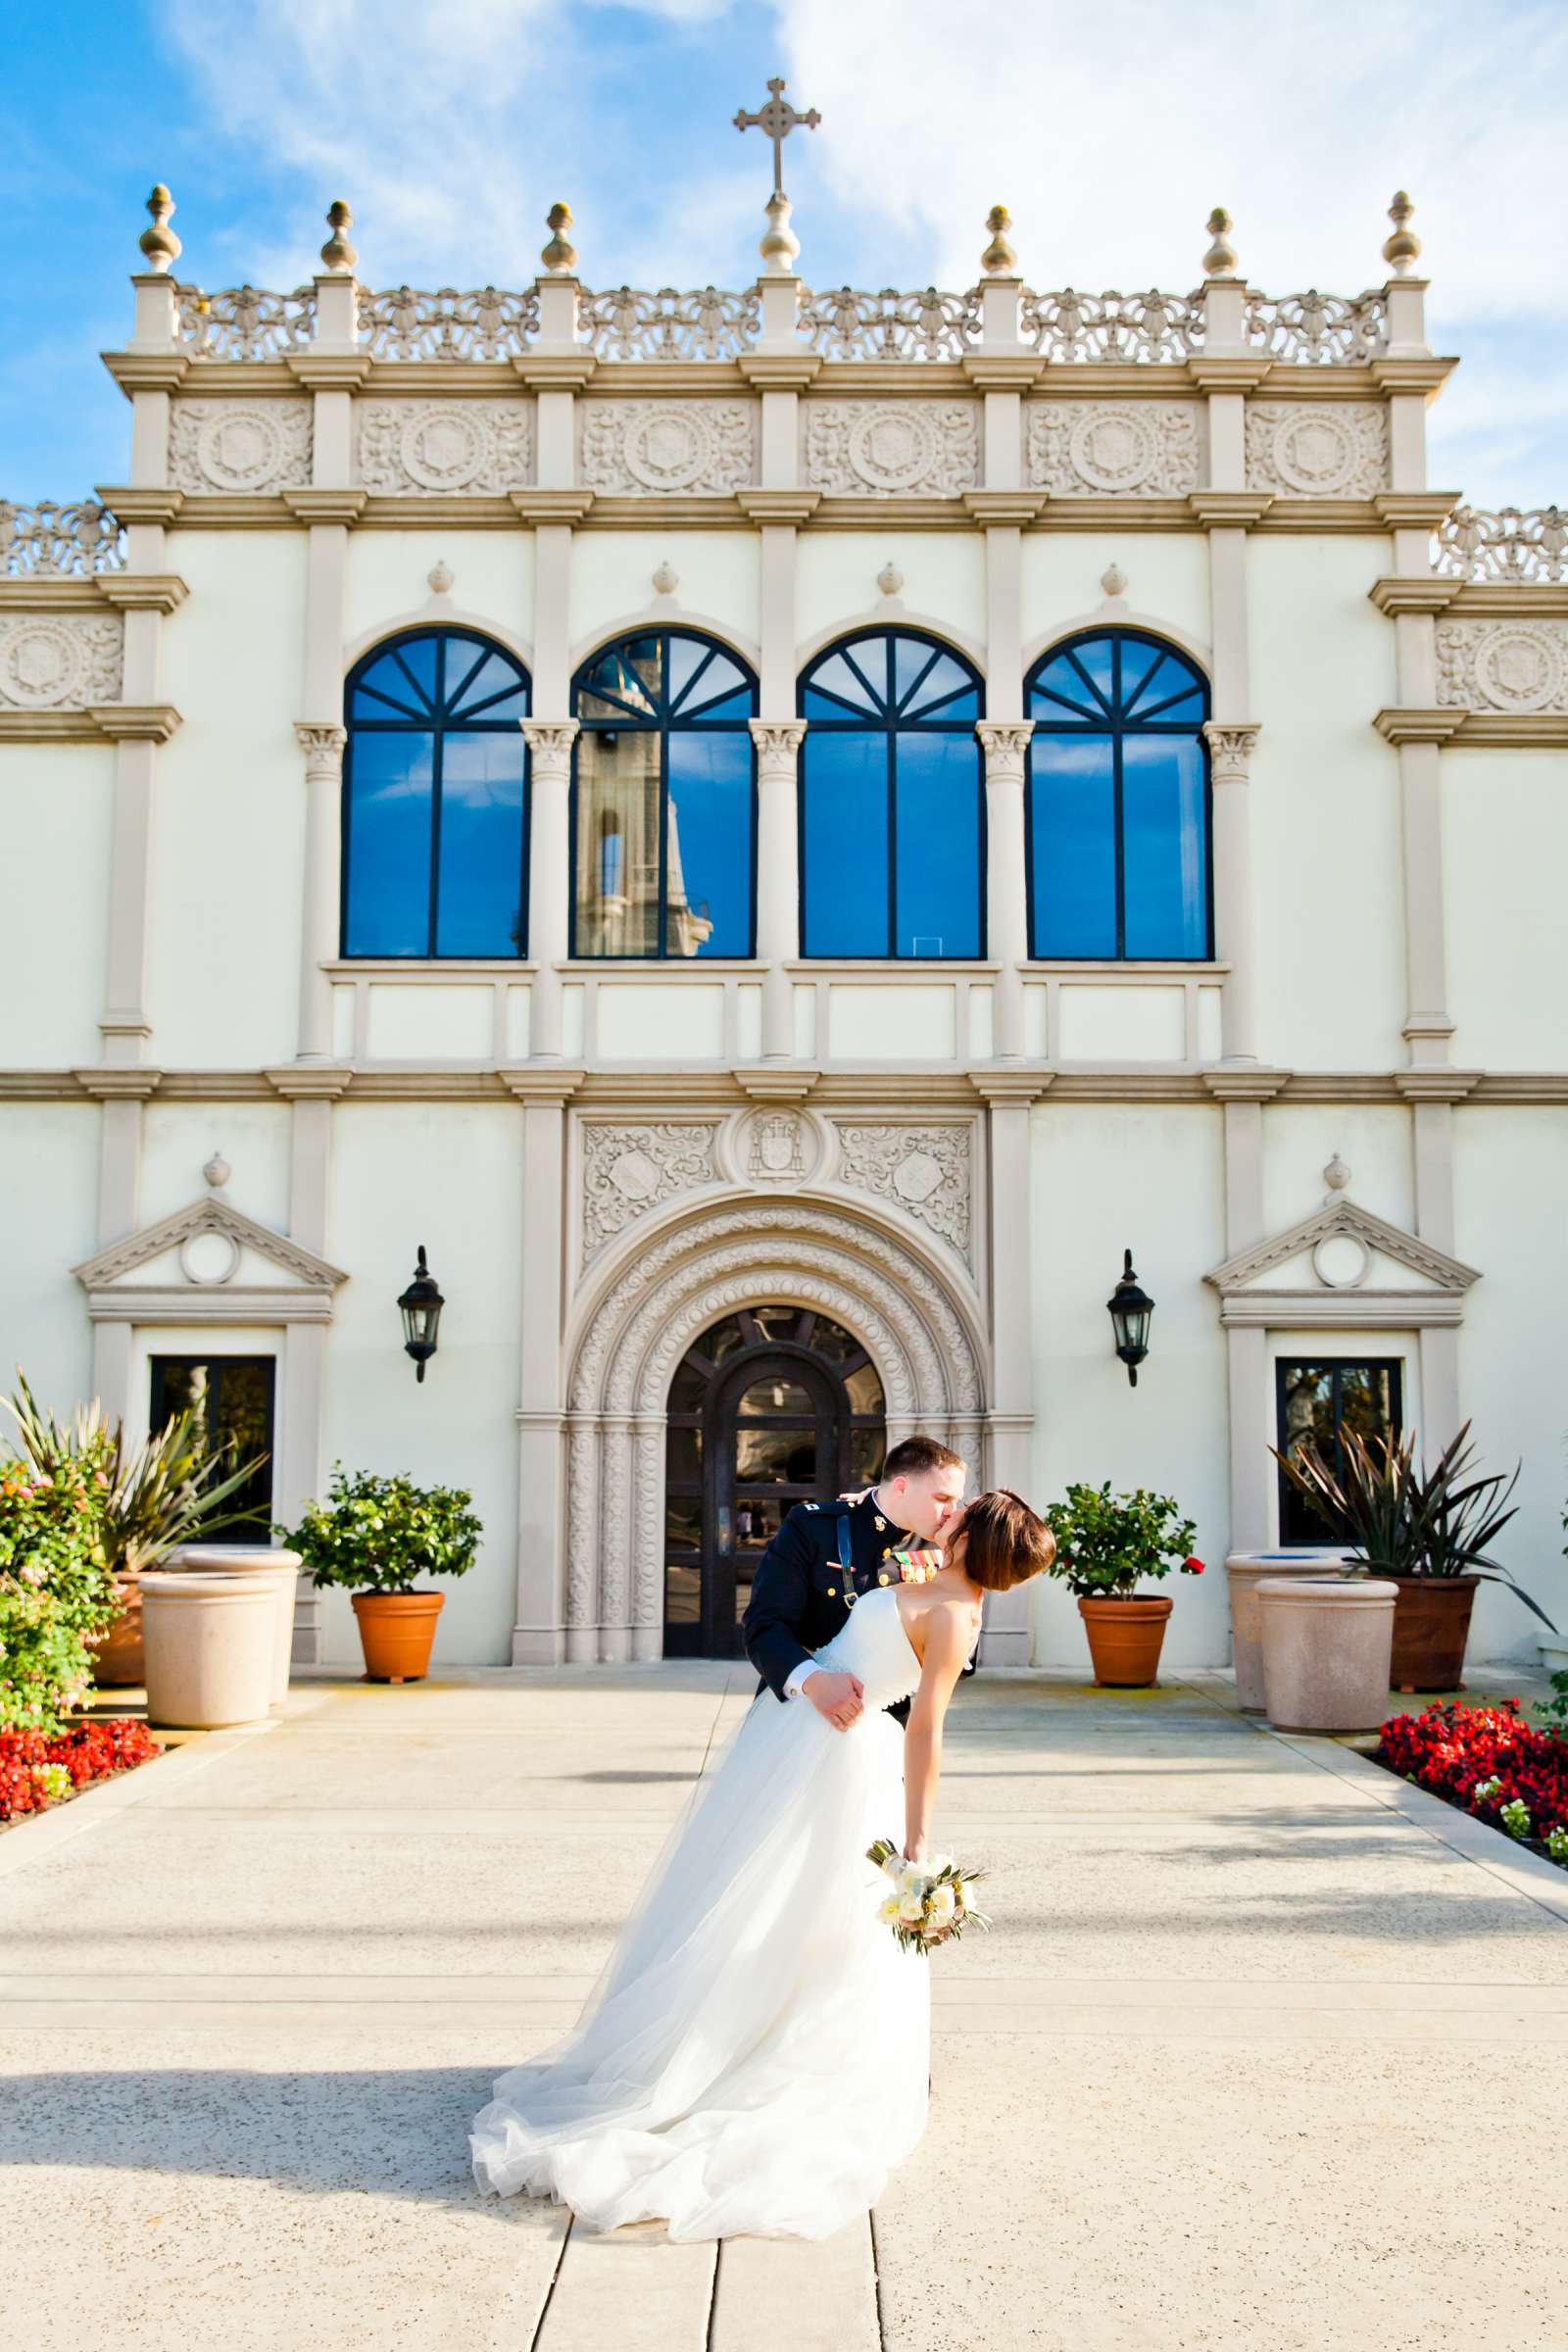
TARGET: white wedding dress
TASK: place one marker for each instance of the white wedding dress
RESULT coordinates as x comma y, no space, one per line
753,2055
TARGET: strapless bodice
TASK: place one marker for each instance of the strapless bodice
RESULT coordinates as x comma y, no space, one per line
873,1645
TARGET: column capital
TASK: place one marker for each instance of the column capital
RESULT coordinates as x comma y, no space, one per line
550,742
777,740
322,745
1231,745
1006,744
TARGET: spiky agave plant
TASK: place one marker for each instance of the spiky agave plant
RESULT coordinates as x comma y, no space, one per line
1413,1521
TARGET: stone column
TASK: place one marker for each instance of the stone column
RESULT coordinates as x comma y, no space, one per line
322,747
778,891
1230,754
1007,1637
1242,1091
550,742
539,1637
1006,744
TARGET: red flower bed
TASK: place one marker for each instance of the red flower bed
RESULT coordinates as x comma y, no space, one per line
32,1762
1449,1748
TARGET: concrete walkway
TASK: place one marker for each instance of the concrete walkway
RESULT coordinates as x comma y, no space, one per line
1264,2050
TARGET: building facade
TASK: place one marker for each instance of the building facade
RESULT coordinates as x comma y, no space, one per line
777,834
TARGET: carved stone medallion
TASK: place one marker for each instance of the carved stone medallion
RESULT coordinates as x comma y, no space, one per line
892,449
1142,448
774,1147
1503,666
926,1171
248,449
627,1170
668,447
60,663
1298,450
423,447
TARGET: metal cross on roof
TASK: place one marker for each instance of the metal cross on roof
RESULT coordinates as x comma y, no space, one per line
778,119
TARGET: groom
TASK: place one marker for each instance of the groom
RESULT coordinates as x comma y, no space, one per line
800,1595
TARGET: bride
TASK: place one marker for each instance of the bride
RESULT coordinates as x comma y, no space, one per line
754,2056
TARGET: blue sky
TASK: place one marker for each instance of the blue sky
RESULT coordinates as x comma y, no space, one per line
1109,132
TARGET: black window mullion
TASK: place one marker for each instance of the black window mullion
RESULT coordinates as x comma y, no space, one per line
660,934
1119,843
893,813
439,736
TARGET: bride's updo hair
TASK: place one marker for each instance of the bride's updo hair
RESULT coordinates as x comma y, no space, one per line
1004,1541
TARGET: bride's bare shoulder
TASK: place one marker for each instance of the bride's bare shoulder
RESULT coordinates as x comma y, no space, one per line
947,1627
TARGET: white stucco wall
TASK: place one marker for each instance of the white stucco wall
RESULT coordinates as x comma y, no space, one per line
1325,794
1166,575
224,985
1372,1138
613,581
54,901
178,1139
944,586
1509,1169
387,584
1106,1177
1506,853
49,1208
449,1176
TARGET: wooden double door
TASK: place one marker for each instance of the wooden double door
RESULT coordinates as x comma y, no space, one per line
772,1406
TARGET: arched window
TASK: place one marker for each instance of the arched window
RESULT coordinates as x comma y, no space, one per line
1118,801
435,815
664,799
892,806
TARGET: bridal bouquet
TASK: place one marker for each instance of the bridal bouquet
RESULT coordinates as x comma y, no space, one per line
930,1902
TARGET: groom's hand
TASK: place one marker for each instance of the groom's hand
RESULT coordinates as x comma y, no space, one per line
837,1697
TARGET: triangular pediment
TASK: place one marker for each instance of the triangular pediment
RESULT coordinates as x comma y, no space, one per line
164,1254
1392,1257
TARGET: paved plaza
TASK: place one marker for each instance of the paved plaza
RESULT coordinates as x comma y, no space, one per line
1262,2054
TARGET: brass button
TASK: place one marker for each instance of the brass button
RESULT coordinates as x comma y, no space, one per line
882,1579
832,1592
880,1525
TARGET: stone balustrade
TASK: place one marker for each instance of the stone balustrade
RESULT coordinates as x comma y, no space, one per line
49,542
1508,543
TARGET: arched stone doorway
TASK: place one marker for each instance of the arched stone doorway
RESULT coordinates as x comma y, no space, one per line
770,1406
632,1327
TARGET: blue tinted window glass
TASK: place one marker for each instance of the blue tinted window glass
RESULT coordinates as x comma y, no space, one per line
479,887
844,787
483,685
1165,883
708,889
1059,692
387,906
938,844
840,689
1073,845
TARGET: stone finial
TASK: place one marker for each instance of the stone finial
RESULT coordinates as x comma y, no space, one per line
1113,580
667,579
442,579
560,256
779,246
158,243
999,259
1403,248
1336,1176
337,254
217,1172
1220,258
890,579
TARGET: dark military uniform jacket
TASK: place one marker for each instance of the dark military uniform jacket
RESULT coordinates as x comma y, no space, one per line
799,1598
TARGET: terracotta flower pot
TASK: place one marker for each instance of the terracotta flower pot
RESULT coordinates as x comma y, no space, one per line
396,1631
1124,1637
1431,1627
118,1657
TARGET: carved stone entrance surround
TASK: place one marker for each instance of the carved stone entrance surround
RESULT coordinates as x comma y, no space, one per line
643,1302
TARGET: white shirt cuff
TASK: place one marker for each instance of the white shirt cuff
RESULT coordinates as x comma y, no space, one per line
797,1676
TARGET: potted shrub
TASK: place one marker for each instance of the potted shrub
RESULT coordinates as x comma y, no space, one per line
1105,1543
373,1536
1428,1531
55,1592
152,1497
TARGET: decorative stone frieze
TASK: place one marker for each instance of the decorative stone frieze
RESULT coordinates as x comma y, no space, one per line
1300,450
240,448
1515,665
60,661
637,447
420,448
926,1171
775,1148
893,449
1125,448
627,1170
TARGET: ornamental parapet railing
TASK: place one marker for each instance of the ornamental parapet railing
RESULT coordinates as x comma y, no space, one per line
1505,543
47,542
843,323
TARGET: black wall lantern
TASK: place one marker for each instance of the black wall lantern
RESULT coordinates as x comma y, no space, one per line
420,1306
1130,1309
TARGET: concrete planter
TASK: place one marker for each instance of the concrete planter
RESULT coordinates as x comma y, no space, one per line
1327,1644
1554,1656
1244,1571
1125,1636
211,1642
253,1560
